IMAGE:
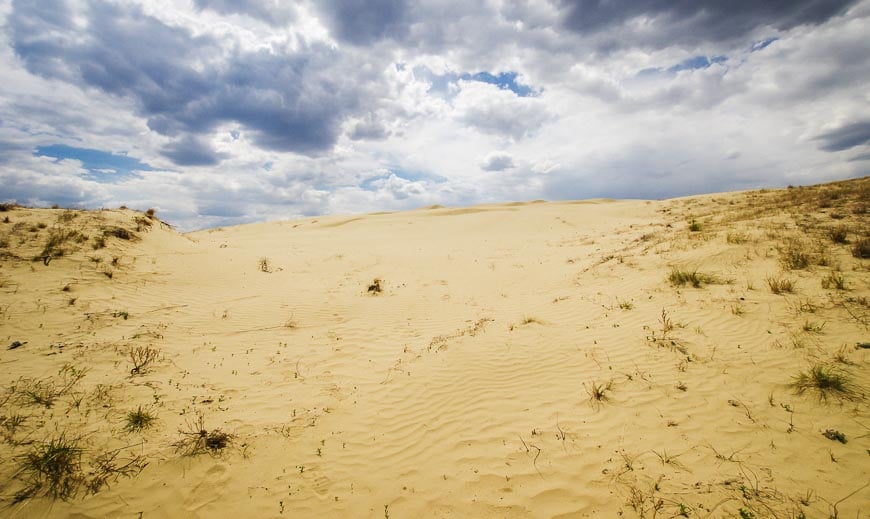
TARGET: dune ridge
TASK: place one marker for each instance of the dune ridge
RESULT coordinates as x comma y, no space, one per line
558,359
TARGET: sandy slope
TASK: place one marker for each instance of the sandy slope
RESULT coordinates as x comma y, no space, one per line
465,387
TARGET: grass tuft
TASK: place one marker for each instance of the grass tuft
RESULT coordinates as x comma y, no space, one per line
826,381
834,280
780,285
862,248
697,279
139,420
53,468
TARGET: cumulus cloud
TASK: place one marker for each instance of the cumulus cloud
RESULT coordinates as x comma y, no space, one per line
245,111
497,162
492,110
290,100
272,12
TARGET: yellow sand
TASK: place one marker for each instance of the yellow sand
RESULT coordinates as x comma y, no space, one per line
465,388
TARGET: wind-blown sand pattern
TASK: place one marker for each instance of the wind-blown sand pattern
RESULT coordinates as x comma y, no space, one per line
519,360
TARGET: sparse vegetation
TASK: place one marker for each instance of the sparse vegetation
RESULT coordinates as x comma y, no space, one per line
695,226
795,256
138,420
833,434
375,286
265,265
826,381
834,280
862,248
679,277
780,285
120,233
197,439
736,238
599,392
54,245
142,357
838,234
53,468
813,327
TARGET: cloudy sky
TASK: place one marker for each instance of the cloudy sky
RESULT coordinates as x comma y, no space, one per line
217,112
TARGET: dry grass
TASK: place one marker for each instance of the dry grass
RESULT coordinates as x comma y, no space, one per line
826,381
780,285
197,439
679,277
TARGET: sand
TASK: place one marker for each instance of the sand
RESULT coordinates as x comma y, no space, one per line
513,360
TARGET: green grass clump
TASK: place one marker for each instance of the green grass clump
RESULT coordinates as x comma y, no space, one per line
680,277
53,468
138,420
826,381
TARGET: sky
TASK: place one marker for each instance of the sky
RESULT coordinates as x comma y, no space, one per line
222,112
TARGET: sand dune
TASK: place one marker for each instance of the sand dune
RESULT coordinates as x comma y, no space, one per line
575,359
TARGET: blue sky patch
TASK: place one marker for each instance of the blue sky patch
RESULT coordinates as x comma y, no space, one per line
693,63
758,45
503,80
409,175
98,163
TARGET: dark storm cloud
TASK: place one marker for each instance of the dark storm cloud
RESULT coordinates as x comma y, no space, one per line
190,151
846,137
693,21
290,101
273,12
362,23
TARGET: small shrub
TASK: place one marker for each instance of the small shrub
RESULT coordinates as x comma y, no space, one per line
99,242
838,234
142,357
120,233
375,286
695,226
826,380
265,265
833,434
862,248
138,420
150,213
780,285
7,207
197,439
